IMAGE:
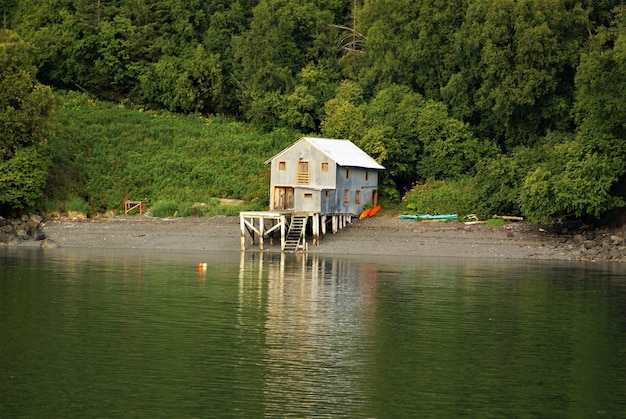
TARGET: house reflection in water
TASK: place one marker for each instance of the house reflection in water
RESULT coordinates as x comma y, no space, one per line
319,315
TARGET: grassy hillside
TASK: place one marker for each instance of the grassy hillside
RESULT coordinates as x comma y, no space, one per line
104,153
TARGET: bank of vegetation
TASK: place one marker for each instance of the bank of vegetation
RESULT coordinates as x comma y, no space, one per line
485,106
103,153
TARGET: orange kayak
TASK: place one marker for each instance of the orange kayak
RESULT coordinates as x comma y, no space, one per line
374,211
365,213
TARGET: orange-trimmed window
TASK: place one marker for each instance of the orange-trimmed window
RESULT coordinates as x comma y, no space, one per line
346,196
324,167
282,166
302,175
357,197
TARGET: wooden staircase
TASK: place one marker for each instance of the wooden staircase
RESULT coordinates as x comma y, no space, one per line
295,235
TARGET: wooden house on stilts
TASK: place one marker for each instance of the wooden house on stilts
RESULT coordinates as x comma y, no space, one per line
317,182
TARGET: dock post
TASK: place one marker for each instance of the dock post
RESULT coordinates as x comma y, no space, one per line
315,225
261,226
323,226
243,231
283,221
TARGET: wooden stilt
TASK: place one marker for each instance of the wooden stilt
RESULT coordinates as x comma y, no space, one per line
242,226
270,222
315,224
282,233
274,222
261,227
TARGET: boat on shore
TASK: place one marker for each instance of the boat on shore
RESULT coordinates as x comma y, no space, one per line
374,211
430,217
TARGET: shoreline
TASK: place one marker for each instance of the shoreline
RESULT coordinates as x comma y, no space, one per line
380,236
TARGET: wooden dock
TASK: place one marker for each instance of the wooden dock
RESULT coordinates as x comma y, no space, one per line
292,226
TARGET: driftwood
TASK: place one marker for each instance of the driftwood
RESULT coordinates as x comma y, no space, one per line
509,217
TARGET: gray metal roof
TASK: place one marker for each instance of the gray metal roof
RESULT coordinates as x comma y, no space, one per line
342,152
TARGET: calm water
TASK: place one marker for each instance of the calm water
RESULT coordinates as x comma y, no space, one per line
129,334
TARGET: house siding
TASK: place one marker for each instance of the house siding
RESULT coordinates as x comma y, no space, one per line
324,191
353,179
305,153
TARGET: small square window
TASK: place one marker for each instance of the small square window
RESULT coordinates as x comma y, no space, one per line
282,166
324,167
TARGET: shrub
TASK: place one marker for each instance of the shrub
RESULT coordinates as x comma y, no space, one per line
23,177
77,204
442,197
165,209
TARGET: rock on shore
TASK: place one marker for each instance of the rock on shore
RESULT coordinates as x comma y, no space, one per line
601,244
27,227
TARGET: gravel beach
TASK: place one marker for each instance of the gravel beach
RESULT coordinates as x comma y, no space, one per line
381,235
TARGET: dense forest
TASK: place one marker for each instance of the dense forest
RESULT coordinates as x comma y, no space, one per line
521,101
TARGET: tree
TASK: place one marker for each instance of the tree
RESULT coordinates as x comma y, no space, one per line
515,62
410,42
25,109
450,149
284,36
581,174
571,179
7,8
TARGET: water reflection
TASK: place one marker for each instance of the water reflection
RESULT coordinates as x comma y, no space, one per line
313,311
459,338
106,333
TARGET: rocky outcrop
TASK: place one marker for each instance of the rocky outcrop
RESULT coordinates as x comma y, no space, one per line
27,227
593,244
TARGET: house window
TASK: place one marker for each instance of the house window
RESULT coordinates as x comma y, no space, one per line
347,173
327,193
302,175
308,195
357,197
346,196
367,175
324,167
282,166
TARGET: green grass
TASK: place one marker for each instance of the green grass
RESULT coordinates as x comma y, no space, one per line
77,204
104,153
167,209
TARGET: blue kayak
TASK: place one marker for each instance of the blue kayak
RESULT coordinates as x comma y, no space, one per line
438,217
430,217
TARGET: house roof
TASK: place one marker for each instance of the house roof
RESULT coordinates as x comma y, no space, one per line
342,152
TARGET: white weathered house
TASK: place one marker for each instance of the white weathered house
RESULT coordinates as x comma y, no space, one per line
318,179
324,176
